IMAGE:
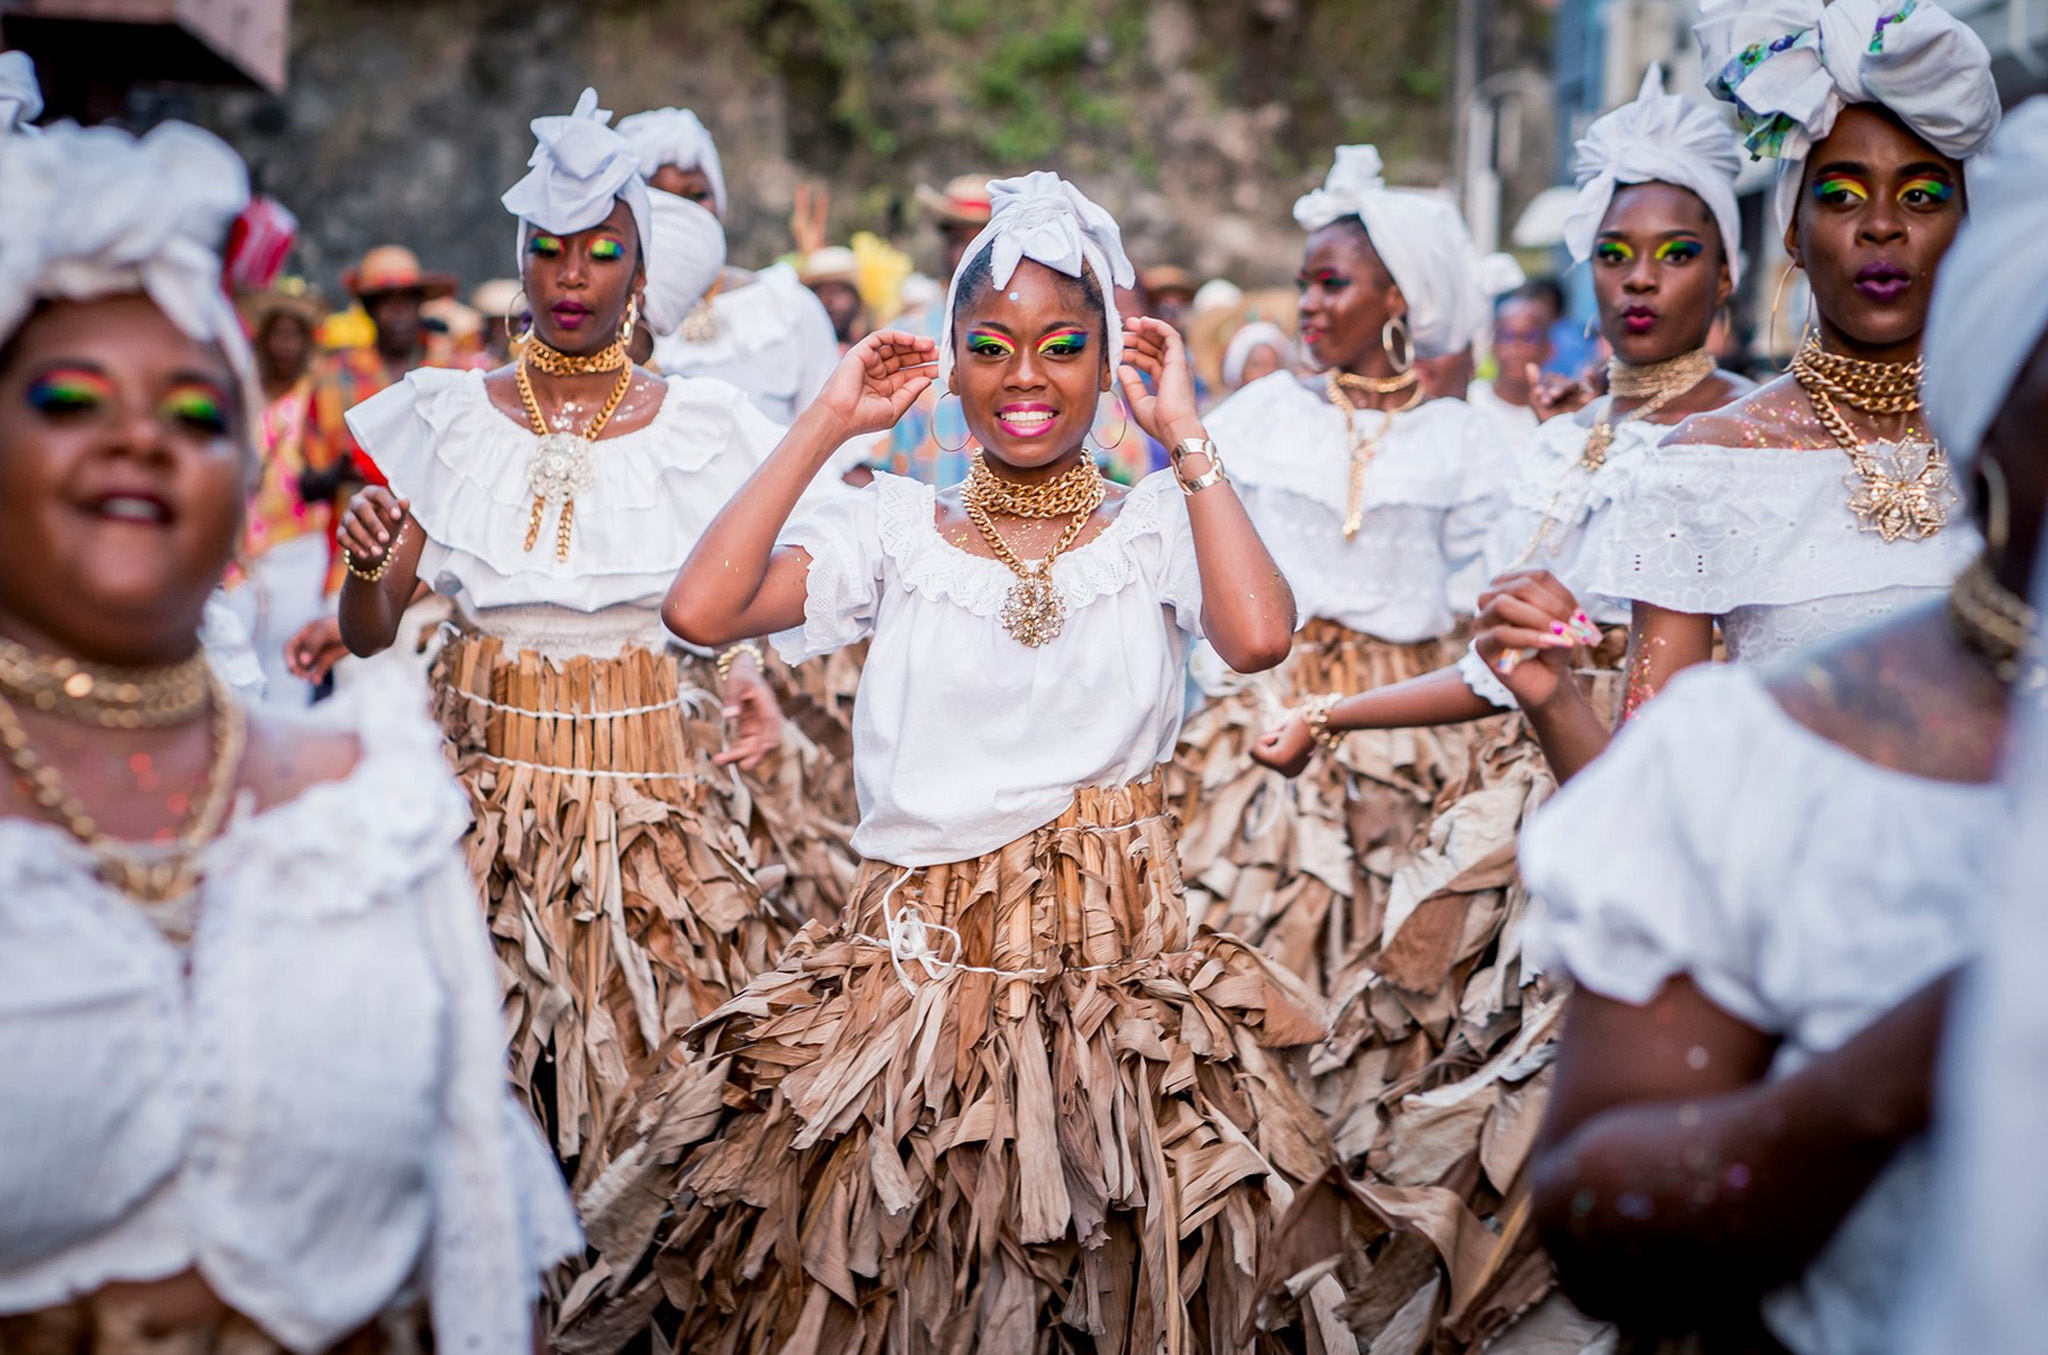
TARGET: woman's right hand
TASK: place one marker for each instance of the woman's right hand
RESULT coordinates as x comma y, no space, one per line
1286,748
313,652
1553,394
370,526
877,381
1526,611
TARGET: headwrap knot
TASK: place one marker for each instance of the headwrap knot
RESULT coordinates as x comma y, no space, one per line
580,166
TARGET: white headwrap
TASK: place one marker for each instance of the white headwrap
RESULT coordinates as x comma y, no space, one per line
1419,237
1044,218
1791,66
580,167
1991,293
689,251
98,213
1499,274
21,98
1660,138
674,136
1257,334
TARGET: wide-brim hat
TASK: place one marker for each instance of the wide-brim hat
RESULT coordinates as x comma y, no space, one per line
964,201
1168,278
832,263
394,268
291,296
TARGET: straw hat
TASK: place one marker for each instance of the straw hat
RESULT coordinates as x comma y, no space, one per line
1168,278
290,296
964,200
833,263
495,298
394,268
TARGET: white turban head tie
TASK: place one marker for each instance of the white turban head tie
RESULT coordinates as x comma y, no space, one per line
1042,217
1991,293
1420,238
1660,138
1791,66
689,251
98,213
675,136
579,168
21,98
1256,335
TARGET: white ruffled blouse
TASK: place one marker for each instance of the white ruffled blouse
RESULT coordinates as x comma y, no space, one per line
1763,539
316,1119
964,739
462,462
1805,890
1431,494
775,342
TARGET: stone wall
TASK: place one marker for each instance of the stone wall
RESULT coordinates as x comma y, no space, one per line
1197,123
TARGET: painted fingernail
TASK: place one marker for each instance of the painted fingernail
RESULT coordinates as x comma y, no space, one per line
1559,628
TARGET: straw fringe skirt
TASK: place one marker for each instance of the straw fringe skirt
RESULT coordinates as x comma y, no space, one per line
804,806
615,874
1066,1128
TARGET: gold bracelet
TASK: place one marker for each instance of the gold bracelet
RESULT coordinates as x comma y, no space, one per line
732,653
348,561
1315,713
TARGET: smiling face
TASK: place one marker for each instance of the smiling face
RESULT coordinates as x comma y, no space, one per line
1029,364
1878,208
123,471
1659,272
1347,297
578,284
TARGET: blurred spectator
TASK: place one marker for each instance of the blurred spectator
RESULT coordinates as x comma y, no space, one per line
833,275
1257,349
495,302
1172,290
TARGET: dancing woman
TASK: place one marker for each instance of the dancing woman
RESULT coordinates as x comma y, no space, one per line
1795,858
1819,502
552,498
1008,1102
249,1036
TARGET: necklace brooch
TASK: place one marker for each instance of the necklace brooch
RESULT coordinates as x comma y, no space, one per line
1897,487
1033,613
564,462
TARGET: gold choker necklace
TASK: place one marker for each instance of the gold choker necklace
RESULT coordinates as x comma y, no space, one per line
555,362
100,694
1377,385
1990,619
1077,487
562,461
1032,612
1656,384
1897,487
1364,446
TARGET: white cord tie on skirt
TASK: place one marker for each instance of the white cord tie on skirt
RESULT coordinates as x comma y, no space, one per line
911,939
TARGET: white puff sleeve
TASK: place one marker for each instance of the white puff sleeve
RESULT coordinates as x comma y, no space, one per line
843,586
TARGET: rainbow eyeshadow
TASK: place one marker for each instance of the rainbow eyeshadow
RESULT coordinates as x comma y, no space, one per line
607,250
198,404
1937,190
545,245
69,390
1679,251
1326,279
1062,342
989,344
1613,251
1827,188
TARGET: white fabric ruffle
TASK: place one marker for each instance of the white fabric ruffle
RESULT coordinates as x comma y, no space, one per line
462,463
1708,529
317,1118
963,738
1805,890
774,342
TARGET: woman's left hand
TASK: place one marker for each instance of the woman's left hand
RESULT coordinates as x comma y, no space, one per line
1153,348
1286,748
752,714
876,382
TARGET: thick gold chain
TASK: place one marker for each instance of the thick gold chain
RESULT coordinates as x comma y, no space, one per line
1893,506
1873,387
540,427
1033,612
1078,487
555,362
114,698
1990,619
1364,447
153,878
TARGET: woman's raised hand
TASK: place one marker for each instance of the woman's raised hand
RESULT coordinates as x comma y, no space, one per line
371,524
1153,349
1529,623
875,383
1552,394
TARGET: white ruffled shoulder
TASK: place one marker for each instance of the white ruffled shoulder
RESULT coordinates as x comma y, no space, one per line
1706,529
1549,478
462,463
1722,840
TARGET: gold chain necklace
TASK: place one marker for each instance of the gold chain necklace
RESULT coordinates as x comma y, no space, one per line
114,698
555,362
701,324
1378,385
1032,612
153,879
563,462
1364,446
1990,619
1078,487
1656,384
1896,488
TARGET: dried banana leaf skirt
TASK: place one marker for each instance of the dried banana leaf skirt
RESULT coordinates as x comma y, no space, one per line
1064,1127
613,863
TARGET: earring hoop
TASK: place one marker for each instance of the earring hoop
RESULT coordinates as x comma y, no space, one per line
1997,506
938,406
632,320
1123,426
1778,300
514,336
1404,361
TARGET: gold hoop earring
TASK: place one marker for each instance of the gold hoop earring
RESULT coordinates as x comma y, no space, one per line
1123,426
632,320
1997,506
1778,300
1404,362
940,405
514,336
